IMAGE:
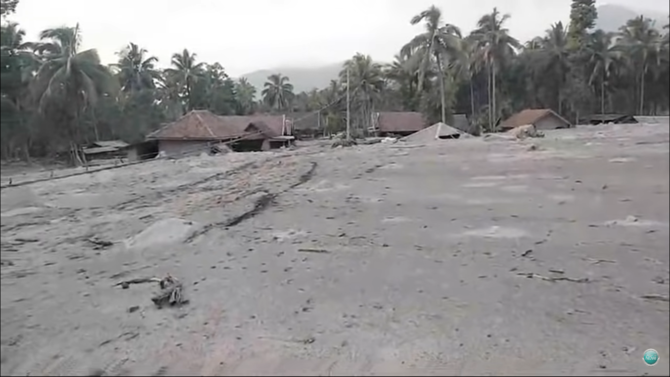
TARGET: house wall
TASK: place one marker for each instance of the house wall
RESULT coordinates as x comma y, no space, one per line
142,151
178,148
133,154
549,123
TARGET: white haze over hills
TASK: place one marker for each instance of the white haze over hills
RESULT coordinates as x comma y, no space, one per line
610,18
304,39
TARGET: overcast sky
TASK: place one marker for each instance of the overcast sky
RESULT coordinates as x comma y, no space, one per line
246,35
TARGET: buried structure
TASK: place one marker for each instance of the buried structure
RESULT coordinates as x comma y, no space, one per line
397,123
199,130
435,132
541,119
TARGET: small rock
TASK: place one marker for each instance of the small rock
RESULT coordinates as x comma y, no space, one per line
658,280
133,309
631,219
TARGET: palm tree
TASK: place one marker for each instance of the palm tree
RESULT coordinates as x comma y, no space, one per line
438,44
554,58
404,74
18,62
643,44
278,92
246,94
185,72
602,55
468,67
136,70
17,69
70,79
366,83
495,47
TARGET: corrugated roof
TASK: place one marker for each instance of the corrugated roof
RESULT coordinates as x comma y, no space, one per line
203,125
97,150
111,143
400,122
262,128
529,116
272,122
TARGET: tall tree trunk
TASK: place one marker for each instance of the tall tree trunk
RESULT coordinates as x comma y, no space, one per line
493,96
488,94
641,110
472,109
602,95
559,96
442,99
472,98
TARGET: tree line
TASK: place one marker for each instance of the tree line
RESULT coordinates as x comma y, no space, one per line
56,96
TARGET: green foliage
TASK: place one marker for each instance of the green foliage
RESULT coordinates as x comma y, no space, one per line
278,92
8,7
53,96
583,15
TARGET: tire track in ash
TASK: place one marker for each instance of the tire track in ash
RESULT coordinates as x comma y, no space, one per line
156,195
261,204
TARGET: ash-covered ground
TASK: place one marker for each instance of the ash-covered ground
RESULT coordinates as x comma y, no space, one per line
461,257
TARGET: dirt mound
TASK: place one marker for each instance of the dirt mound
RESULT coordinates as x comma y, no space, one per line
525,131
19,197
162,232
434,132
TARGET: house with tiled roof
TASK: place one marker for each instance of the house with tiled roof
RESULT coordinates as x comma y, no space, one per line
195,131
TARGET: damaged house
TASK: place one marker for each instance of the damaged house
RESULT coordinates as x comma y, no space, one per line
199,130
397,123
105,150
541,119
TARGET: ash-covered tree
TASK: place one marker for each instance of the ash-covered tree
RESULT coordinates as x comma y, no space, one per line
7,7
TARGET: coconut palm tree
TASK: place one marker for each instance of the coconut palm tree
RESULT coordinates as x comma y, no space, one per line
184,73
496,47
69,79
278,92
404,76
19,64
554,59
366,83
136,71
468,66
602,55
438,44
246,94
642,43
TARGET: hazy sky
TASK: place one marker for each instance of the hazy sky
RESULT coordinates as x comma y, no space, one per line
246,35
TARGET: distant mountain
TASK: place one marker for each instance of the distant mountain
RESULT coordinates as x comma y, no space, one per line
303,79
611,17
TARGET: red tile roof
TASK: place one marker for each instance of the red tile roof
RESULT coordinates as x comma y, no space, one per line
203,125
